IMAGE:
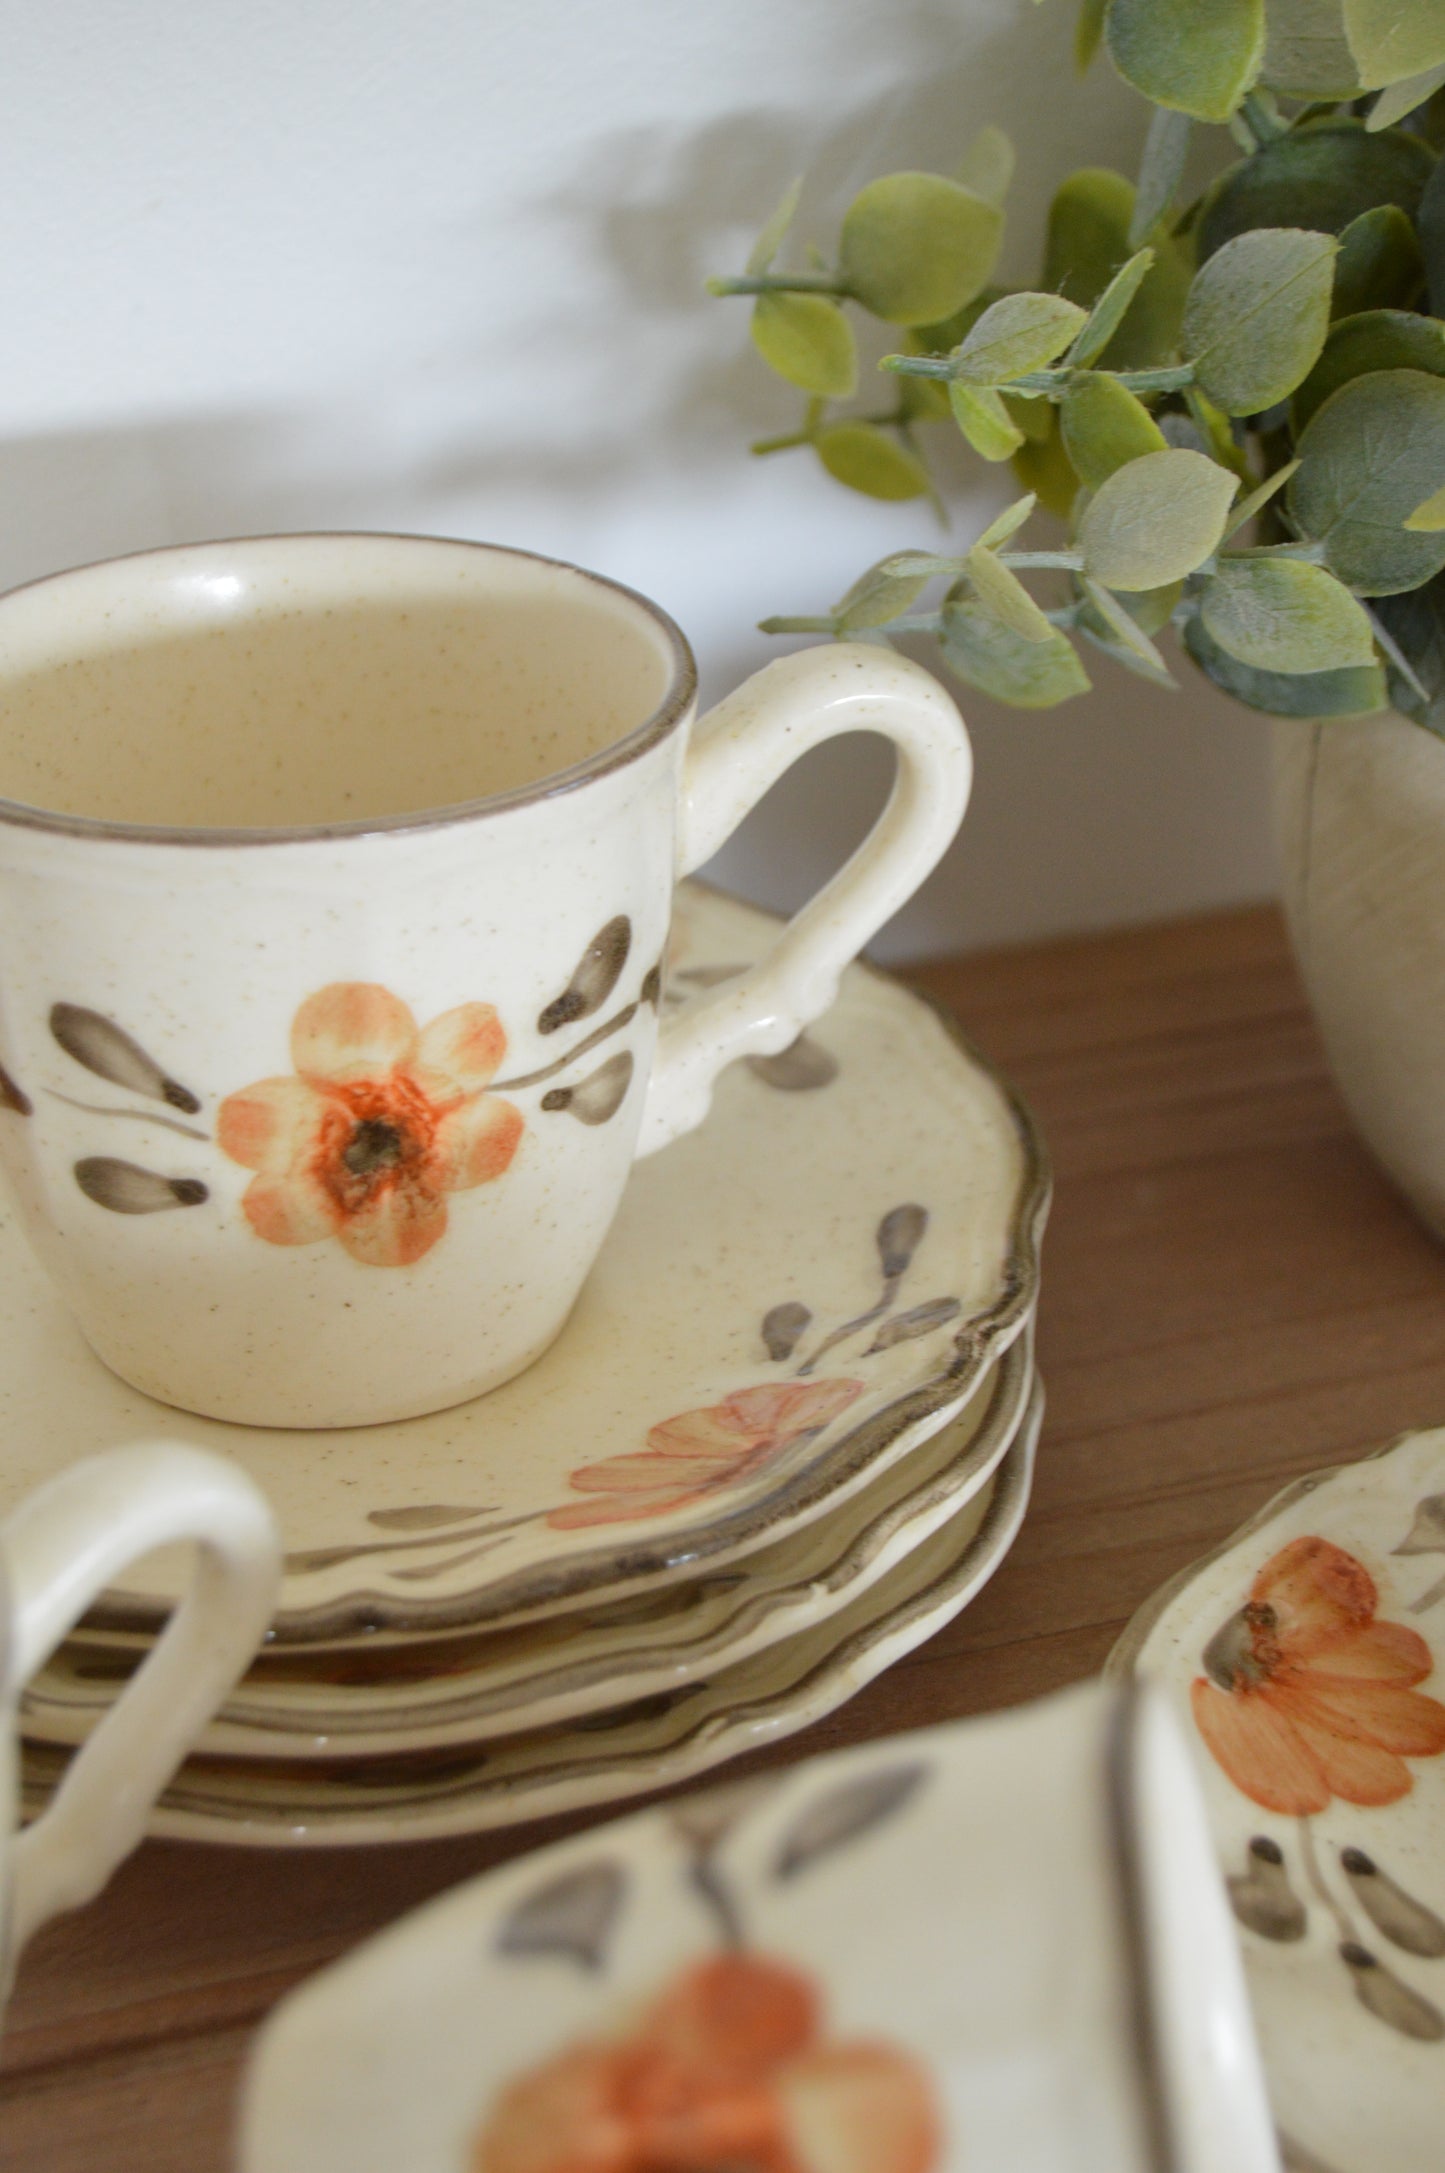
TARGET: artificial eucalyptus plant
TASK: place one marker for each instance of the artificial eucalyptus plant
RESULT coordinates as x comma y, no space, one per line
1236,404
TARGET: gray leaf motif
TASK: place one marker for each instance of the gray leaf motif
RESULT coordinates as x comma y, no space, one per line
13,1095
801,1068
1427,1534
1407,1923
571,1917
597,1097
597,974
900,1234
107,1050
127,1189
845,1813
1389,1999
1263,1898
783,1326
919,1320
422,1517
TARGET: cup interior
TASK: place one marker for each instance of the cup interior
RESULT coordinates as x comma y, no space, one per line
315,681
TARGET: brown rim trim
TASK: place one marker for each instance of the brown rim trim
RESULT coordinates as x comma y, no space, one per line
674,707
1141,1991
190,1810
967,1473
543,1590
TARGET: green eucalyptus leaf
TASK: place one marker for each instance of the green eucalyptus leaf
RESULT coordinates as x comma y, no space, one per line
1430,226
1088,32
988,165
1379,265
1155,520
1322,175
1357,691
1257,316
771,239
984,421
1043,468
1088,244
1105,426
1007,523
1367,458
868,460
876,597
1088,233
1243,511
1109,621
1400,99
1378,339
1415,622
808,340
999,591
915,247
1166,147
1429,515
1281,615
1198,59
1109,312
1032,413
943,337
1022,332
1391,39
923,400
992,656
1307,54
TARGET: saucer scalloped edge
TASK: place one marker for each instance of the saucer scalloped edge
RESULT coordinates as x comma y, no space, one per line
1307,1658
652,1745
465,1691
791,1297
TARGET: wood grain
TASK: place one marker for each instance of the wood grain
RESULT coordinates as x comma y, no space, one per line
1232,1296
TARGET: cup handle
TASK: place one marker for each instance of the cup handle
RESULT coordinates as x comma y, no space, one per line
738,750
61,1547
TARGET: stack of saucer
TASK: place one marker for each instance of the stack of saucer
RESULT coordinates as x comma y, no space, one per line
786,1435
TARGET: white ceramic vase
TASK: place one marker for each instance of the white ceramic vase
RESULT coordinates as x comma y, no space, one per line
1359,813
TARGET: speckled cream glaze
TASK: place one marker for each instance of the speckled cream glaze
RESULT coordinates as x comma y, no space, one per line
335,881
1341,1904
452,1520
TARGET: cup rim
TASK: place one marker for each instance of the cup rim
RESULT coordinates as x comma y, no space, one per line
676,703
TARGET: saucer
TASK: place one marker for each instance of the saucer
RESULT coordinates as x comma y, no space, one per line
1308,1657
468,1690
792,1297
649,1745
939,1953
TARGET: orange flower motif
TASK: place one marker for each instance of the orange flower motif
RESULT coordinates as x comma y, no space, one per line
727,2069
1309,1696
379,1123
699,1452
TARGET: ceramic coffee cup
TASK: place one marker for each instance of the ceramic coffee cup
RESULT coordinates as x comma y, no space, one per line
58,1550
335,881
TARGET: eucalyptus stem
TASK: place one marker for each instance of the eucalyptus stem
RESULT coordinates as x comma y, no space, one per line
783,444
796,626
1171,378
779,283
1069,561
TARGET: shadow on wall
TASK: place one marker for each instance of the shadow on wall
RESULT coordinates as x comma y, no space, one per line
607,418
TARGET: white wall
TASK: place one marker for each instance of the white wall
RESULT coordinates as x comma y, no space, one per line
438,264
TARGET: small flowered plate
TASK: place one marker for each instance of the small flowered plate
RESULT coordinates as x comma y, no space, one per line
791,1297
1308,1659
648,1745
947,1952
468,1690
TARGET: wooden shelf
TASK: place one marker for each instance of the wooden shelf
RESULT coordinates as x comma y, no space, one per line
1232,1296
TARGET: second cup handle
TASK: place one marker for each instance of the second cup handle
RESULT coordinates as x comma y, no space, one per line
62,1546
738,750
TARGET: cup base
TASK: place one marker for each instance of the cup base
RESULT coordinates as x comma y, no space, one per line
278,1414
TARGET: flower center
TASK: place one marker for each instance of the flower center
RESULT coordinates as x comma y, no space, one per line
374,1145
